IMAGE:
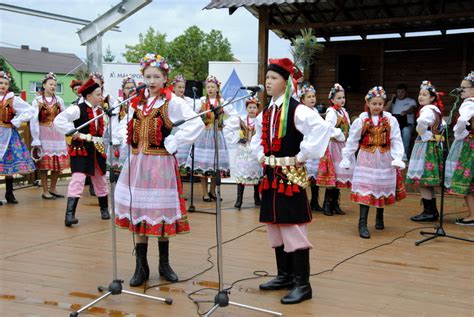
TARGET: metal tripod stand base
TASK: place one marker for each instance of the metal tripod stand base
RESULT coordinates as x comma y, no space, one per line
222,300
115,288
438,233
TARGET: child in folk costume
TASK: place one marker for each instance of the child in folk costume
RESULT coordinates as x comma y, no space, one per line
330,175
460,162
120,149
377,180
14,155
179,86
424,168
147,196
288,134
248,169
307,95
54,152
87,149
204,147
75,85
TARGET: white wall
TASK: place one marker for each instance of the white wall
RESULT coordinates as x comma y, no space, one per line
115,72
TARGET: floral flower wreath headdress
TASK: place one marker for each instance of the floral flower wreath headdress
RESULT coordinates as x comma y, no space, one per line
48,76
306,89
155,60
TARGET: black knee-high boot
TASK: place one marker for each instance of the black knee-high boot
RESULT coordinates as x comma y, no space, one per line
429,212
336,193
379,224
164,267
70,217
302,290
142,271
285,278
315,199
364,213
256,195
104,207
240,195
9,191
327,207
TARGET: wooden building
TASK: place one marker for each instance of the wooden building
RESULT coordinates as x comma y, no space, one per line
400,57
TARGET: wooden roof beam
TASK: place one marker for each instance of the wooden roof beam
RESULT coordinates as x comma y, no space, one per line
317,25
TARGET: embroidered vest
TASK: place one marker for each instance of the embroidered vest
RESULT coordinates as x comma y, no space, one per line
343,124
375,137
147,133
246,132
47,114
7,113
208,118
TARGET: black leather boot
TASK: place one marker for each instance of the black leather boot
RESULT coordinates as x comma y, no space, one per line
364,213
9,191
164,267
104,207
335,201
256,195
240,194
70,218
327,207
428,214
142,271
315,199
379,225
302,290
285,278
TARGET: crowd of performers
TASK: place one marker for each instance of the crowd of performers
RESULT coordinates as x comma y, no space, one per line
289,146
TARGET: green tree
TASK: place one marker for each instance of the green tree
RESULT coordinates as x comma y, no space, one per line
152,41
190,52
108,57
4,67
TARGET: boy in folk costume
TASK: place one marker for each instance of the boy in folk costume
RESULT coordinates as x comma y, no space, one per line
54,152
307,95
377,180
330,175
426,157
87,149
248,170
147,196
75,85
14,155
460,162
287,134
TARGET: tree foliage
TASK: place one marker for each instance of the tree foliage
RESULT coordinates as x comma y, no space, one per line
152,41
305,48
4,67
188,54
108,57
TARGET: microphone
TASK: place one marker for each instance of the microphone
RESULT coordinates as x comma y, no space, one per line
456,91
141,87
258,88
194,89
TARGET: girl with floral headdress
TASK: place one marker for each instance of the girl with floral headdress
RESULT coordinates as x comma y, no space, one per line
377,180
204,147
460,162
14,155
148,194
307,95
330,175
54,152
179,86
424,168
248,169
120,149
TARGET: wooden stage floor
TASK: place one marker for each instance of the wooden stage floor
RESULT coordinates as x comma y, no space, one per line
47,269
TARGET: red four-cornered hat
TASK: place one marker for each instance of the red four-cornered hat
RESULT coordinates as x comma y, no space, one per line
284,67
89,86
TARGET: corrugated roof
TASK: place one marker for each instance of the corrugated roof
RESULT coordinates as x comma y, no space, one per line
219,4
27,60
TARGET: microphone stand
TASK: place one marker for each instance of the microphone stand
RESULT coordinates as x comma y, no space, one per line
115,287
222,297
439,230
191,207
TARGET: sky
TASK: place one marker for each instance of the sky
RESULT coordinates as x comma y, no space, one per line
171,17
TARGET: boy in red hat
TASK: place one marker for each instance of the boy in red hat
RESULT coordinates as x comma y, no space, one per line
287,134
87,149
